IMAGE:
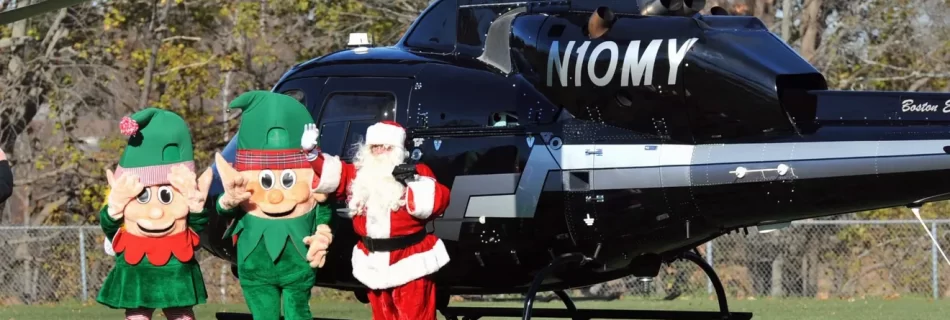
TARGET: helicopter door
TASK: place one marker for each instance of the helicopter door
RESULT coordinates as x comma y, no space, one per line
351,105
626,180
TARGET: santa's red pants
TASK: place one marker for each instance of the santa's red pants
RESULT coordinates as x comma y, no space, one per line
412,301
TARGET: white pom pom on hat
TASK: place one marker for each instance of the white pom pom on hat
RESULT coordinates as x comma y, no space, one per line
386,133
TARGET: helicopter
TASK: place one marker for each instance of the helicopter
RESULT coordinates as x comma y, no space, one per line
585,141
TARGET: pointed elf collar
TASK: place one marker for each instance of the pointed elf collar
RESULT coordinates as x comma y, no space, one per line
158,250
275,233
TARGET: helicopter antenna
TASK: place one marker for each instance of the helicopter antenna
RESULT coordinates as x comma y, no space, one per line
916,211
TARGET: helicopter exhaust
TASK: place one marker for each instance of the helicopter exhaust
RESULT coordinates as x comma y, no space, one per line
671,7
660,7
691,7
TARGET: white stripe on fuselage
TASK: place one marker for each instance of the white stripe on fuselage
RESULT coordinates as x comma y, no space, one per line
523,203
584,156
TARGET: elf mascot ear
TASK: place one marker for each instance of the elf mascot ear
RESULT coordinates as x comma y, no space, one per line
225,170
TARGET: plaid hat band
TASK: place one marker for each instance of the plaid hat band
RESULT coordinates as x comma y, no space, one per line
270,159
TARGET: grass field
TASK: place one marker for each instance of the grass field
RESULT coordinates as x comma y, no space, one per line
766,309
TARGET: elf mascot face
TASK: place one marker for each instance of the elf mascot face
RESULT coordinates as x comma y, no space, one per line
153,211
159,210
281,228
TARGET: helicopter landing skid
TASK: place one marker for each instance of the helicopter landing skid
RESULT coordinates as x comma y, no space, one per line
571,312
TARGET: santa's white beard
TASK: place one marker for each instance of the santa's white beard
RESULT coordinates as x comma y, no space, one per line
374,188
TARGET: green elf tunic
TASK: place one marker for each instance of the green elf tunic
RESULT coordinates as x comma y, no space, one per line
272,261
137,281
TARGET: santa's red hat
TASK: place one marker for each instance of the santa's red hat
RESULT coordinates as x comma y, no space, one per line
386,133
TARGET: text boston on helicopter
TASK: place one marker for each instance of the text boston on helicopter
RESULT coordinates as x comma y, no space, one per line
619,141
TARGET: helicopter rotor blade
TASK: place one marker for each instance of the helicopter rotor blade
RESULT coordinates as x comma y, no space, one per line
35,9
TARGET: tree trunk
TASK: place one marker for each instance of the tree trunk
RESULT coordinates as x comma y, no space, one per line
763,11
810,270
777,275
787,20
804,276
226,86
811,26
14,70
156,36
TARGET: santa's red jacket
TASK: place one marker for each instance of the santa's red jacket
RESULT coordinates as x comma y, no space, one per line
425,199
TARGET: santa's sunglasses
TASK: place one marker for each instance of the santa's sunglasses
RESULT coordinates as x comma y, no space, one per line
380,148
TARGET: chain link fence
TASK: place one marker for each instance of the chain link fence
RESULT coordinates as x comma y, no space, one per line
818,259
68,264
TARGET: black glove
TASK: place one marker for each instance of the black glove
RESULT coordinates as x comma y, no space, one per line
404,172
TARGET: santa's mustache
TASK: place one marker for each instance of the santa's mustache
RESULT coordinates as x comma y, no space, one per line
381,162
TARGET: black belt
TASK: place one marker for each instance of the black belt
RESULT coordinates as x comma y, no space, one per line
396,243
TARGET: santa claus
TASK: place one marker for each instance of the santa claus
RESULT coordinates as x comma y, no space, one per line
390,203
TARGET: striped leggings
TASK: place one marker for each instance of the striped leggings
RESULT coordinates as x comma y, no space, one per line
184,313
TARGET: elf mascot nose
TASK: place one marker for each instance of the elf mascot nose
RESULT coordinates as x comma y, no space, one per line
155,213
275,196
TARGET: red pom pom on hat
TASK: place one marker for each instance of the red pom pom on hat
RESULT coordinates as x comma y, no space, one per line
128,126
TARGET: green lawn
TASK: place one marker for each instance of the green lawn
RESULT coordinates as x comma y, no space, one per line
778,309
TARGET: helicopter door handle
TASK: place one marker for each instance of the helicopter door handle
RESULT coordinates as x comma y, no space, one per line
594,152
740,172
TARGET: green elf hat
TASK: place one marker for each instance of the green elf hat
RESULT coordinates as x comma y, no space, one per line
158,140
271,127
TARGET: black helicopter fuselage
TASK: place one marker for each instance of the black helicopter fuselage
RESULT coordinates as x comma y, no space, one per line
660,135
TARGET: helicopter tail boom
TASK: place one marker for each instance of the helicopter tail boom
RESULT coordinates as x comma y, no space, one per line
882,107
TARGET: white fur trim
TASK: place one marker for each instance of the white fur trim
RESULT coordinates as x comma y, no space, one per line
107,245
381,133
378,222
330,174
423,196
375,272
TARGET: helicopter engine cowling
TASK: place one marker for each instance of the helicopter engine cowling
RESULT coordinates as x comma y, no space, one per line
667,64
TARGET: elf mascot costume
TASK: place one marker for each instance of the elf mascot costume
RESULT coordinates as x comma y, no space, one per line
270,193
152,213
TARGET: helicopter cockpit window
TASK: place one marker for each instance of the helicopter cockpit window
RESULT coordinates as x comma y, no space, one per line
346,116
368,105
435,30
473,24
